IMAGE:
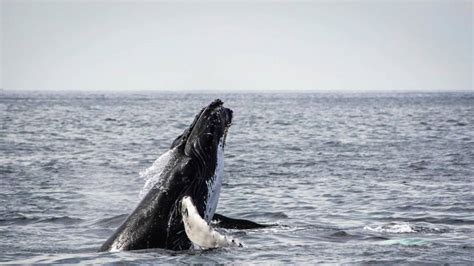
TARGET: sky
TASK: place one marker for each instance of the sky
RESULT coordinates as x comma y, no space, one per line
237,46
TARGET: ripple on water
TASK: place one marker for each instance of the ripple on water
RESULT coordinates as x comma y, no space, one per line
341,178
110,222
22,219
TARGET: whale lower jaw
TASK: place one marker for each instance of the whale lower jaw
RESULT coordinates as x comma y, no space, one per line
214,184
199,231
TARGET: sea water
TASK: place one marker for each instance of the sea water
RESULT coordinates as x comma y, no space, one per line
347,178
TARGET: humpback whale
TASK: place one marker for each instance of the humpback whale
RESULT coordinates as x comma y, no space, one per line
177,210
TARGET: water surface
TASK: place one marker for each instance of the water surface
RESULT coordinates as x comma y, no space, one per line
344,177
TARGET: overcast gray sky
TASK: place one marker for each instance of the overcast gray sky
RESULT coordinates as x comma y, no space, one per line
319,45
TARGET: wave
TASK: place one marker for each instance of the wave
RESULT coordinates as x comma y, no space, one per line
22,219
433,220
419,165
272,215
113,221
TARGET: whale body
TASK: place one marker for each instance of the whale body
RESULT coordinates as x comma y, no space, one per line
194,169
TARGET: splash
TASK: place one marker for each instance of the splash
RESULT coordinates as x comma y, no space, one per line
406,242
396,228
404,228
152,175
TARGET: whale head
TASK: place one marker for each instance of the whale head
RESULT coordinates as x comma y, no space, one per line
207,131
202,143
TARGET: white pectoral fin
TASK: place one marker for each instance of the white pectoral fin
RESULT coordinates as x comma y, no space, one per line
199,232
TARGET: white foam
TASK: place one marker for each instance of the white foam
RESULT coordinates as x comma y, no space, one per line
397,228
152,175
406,242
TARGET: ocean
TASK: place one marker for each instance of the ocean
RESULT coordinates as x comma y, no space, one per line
342,178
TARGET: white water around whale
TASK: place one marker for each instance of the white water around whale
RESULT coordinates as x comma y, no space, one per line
392,228
152,175
404,228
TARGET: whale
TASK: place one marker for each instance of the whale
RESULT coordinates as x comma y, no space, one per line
177,210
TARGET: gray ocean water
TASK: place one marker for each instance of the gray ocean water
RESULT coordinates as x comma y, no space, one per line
346,178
